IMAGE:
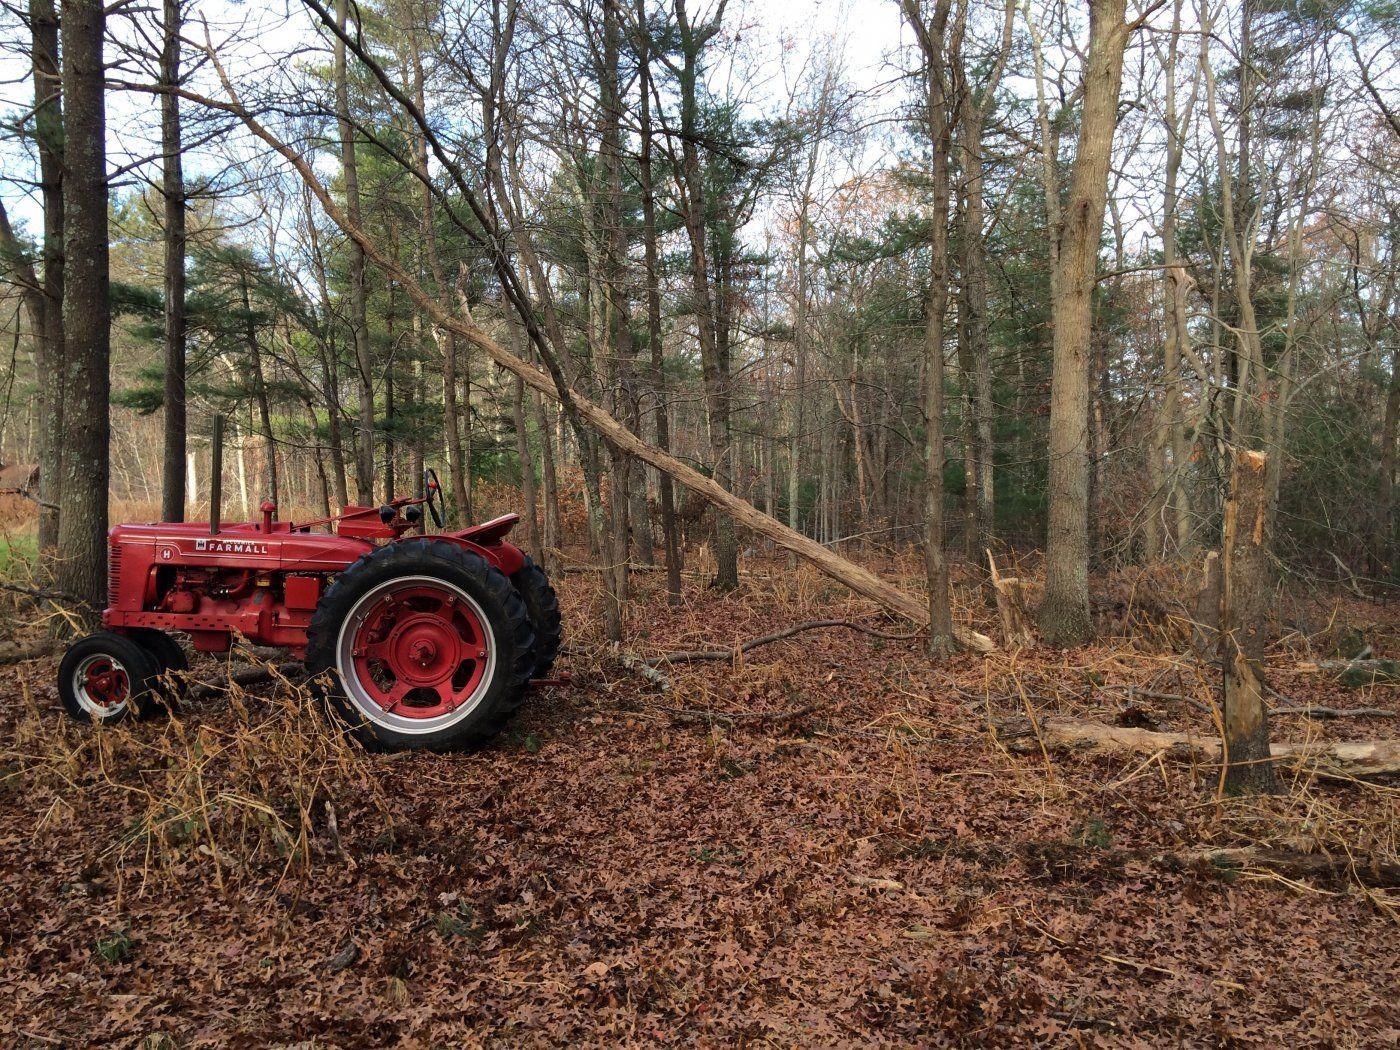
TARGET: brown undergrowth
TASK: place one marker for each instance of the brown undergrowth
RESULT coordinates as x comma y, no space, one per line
825,842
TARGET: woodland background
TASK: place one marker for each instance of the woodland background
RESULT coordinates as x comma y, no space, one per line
921,282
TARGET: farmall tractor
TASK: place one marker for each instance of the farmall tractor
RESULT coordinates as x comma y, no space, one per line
418,640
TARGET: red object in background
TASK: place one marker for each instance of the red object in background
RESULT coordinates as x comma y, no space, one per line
260,579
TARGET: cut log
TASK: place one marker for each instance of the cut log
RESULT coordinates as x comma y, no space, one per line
1361,758
1012,607
856,577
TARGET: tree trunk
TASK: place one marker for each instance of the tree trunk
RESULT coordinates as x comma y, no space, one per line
255,364
530,512
359,323
1244,627
666,497
1064,612
931,35
172,492
52,362
713,358
82,533
549,544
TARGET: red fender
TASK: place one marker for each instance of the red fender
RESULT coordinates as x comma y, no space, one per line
487,539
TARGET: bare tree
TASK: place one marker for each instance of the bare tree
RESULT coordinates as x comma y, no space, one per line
1064,612
87,309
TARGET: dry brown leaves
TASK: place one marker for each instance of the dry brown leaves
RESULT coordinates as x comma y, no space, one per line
880,870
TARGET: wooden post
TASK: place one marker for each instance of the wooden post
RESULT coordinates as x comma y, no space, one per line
1249,768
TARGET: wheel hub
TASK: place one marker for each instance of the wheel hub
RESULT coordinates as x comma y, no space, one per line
424,649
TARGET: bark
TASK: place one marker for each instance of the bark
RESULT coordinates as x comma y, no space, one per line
1205,630
457,469
665,490
52,362
1064,612
1243,635
1168,503
172,498
82,533
359,323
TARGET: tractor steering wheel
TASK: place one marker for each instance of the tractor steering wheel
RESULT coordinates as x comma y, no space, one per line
432,489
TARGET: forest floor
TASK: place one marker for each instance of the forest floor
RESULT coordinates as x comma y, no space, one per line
859,858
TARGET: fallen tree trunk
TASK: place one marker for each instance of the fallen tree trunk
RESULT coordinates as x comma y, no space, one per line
1363,868
856,577
1354,758
1356,672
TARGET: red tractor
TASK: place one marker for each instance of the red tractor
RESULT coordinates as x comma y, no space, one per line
419,641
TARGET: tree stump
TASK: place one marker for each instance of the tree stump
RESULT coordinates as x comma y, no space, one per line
1249,767
1012,607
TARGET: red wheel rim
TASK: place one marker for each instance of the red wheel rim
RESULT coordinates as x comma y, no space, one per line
418,650
102,684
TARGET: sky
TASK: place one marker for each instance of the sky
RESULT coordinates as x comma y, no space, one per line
867,31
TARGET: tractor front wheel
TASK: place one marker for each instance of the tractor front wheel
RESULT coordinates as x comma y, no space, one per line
106,677
422,644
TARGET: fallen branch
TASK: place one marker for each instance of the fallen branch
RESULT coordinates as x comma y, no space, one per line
17,654
1362,868
1355,672
768,639
637,665
40,593
1353,758
1337,712
243,677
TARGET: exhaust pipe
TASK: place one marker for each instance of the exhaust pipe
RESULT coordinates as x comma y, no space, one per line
216,477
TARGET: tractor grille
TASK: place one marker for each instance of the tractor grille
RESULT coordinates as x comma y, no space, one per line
114,571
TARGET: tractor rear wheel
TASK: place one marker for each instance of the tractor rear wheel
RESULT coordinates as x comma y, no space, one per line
543,603
106,677
422,644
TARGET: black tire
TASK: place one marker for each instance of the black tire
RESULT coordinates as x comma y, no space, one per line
543,604
166,649
106,652
438,564
170,654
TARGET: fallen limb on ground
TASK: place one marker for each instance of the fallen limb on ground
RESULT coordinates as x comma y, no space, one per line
1361,868
768,639
242,677
1355,758
1355,672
